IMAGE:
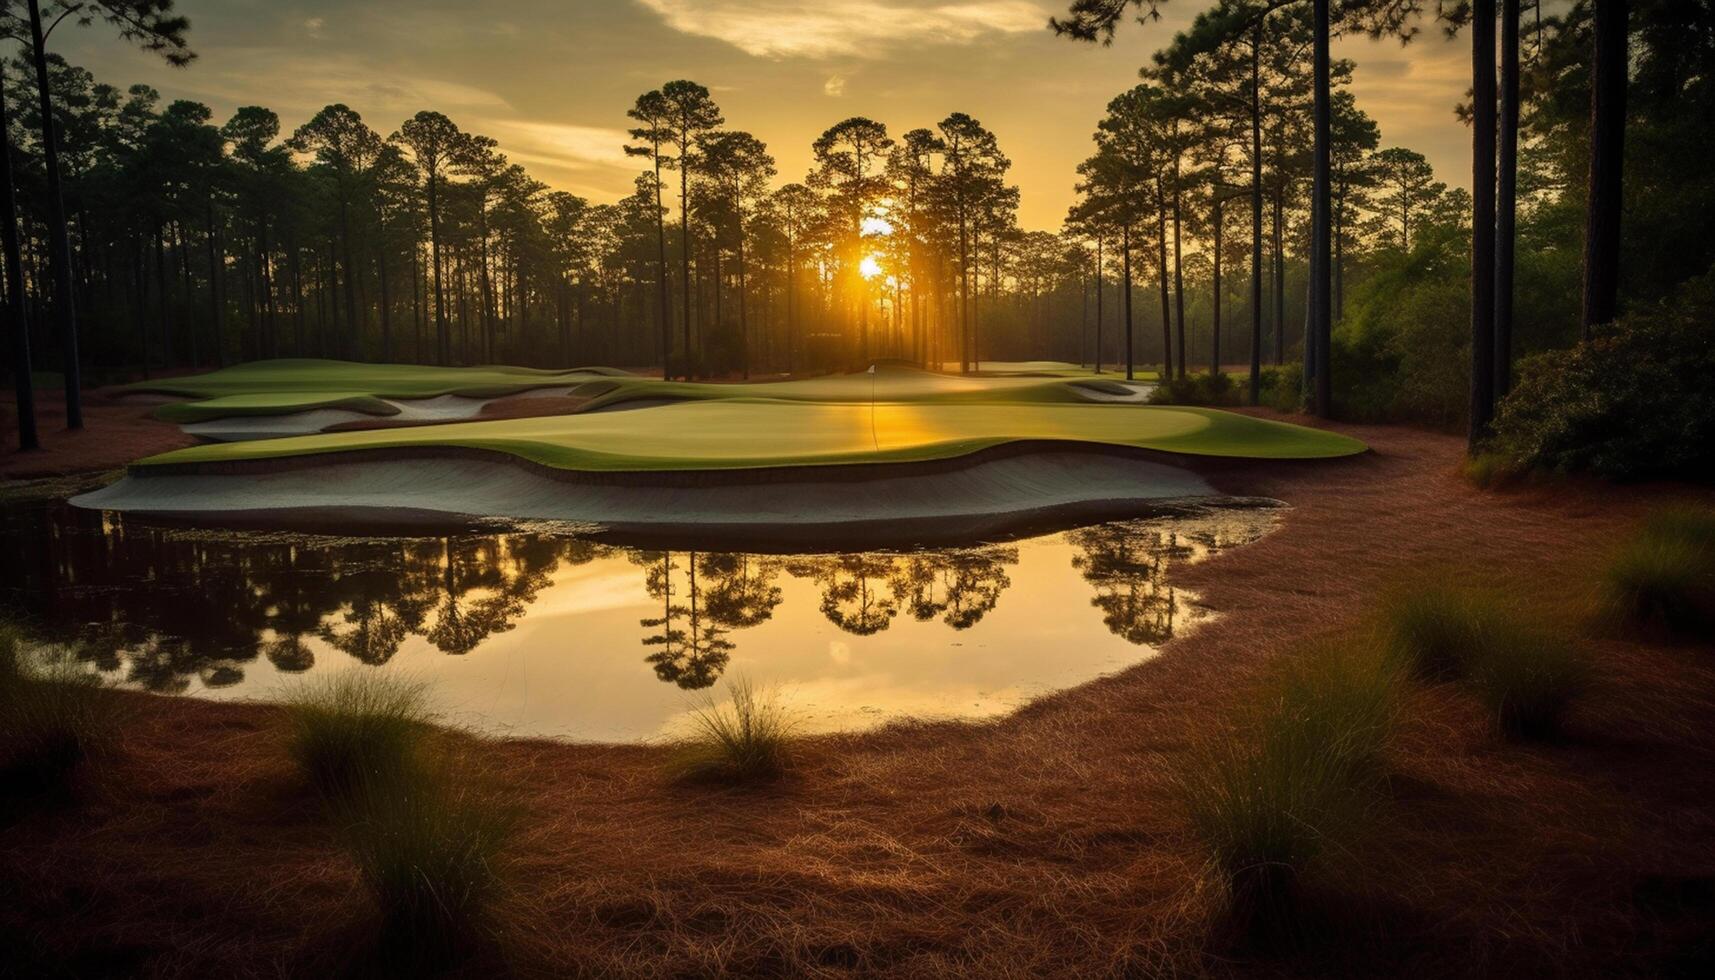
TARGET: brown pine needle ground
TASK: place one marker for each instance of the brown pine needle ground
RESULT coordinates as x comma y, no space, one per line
1050,843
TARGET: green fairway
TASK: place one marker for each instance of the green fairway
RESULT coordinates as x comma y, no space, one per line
736,433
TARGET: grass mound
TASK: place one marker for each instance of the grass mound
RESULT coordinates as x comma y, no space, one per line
748,739
54,713
1294,781
1664,574
358,728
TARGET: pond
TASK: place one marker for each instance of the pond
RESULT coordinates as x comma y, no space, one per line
548,632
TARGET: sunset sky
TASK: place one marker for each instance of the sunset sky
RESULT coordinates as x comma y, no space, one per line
551,79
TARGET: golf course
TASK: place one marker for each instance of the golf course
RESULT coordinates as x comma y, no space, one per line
781,455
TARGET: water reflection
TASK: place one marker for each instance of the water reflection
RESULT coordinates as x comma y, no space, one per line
178,610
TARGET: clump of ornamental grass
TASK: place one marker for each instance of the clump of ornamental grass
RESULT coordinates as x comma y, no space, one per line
1664,573
54,714
1435,629
747,739
1295,781
426,847
358,728
1525,672
1528,675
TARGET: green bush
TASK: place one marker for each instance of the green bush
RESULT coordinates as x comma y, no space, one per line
54,714
1636,400
1197,389
1664,573
747,740
357,727
1295,780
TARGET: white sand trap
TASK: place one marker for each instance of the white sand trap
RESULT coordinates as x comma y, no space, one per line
975,498
441,408
1105,390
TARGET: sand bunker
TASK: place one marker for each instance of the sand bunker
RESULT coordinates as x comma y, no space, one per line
1102,390
442,408
911,503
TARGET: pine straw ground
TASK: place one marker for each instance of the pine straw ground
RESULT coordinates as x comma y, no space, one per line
1048,843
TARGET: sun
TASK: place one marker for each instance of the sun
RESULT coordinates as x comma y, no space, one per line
870,267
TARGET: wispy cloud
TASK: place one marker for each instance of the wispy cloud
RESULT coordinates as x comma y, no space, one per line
560,144
845,28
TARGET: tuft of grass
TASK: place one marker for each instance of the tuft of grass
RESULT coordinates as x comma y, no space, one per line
1527,676
748,739
54,714
1525,672
1664,573
426,848
1296,779
1487,470
1436,629
358,728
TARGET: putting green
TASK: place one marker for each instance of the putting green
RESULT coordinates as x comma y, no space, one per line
738,433
286,387
283,387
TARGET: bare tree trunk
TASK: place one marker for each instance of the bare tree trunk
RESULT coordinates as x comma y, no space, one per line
1256,214
17,320
1506,203
1608,69
1125,272
65,314
1319,333
1482,219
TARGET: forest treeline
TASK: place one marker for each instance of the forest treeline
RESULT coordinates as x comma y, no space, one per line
197,241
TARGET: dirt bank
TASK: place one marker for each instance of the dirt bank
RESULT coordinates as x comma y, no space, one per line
1046,844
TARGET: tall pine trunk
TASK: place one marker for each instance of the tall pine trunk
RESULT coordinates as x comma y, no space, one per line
17,320
1506,203
1319,335
1482,219
65,314
1608,69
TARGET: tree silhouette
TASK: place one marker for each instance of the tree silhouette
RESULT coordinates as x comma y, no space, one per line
151,25
691,115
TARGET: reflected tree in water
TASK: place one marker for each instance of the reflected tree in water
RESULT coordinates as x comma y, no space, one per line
691,647
959,586
1127,564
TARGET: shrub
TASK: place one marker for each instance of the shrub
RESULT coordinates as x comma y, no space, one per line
749,739
1295,779
1527,676
357,727
1633,401
1196,389
1665,573
426,850
54,713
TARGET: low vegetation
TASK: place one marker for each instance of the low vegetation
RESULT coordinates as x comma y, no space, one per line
54,714
424,842
427,849
358,727
1634,401
1295,781
1524,671
1663,575
747,739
